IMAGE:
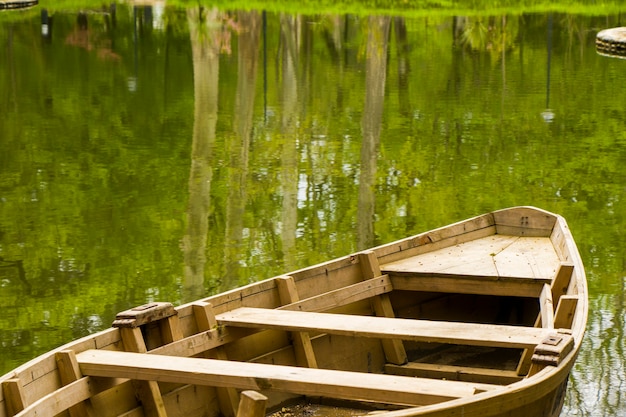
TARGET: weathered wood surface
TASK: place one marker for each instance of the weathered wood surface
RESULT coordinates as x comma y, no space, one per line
143,314
147,391
524,221
394,348
69,372
301,340
252,404
496,256
255,376
343,296
13,392
474,334
205,320
65,398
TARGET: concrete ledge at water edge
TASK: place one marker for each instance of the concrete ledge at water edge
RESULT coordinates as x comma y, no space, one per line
612,42
17,4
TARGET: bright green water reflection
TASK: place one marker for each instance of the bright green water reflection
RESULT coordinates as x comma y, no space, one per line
163,154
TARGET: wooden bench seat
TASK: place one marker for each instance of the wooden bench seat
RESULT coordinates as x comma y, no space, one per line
380,388
475,334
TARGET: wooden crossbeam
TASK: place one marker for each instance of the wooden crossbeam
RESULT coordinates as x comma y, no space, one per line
380,388
475,334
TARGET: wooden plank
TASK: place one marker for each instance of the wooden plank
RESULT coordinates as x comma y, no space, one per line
394,348
452,234
492,256
205,319
343,296
13,395
201,342
252,404
546,309
561,281
148,391
524,221
476,334
255,376
305,356
69,372
433,240
466,284
454,373
565,310
523,231
60,400
170,329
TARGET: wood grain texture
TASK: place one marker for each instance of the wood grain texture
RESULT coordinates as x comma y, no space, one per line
386,328
255,376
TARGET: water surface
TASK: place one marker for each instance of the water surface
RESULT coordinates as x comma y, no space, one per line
162,154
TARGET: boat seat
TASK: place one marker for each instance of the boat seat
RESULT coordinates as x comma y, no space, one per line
379,388
476,334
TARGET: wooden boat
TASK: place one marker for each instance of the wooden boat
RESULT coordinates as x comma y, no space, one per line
484,317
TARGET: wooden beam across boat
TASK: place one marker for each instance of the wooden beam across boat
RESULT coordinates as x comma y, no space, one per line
473,334
389,389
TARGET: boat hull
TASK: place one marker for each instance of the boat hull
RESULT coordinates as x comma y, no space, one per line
484,317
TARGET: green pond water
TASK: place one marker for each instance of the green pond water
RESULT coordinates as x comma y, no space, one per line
163,154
